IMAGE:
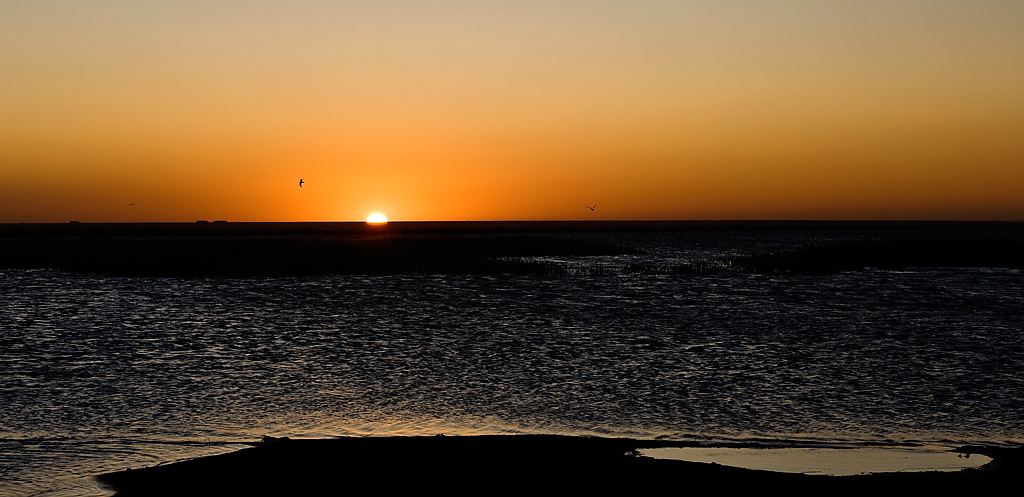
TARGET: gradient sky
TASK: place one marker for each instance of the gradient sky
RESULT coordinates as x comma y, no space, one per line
502,110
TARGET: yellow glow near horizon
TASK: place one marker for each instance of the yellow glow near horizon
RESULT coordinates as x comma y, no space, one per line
452,110
376,218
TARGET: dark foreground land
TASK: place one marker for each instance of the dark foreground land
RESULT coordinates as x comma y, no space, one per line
508,464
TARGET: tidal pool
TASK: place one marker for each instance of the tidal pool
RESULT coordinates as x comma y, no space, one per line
827,461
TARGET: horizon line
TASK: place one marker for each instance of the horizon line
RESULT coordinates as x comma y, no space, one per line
389,221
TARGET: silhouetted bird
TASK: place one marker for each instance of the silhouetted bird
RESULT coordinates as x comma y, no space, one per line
300,182
591,207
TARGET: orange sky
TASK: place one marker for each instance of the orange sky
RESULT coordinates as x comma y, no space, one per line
465,110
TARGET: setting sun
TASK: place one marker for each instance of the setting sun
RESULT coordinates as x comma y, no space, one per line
525,111
376,218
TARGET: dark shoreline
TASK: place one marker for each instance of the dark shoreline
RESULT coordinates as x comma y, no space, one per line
315,249
297,255
519,463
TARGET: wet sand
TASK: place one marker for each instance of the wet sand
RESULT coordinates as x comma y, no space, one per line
520,463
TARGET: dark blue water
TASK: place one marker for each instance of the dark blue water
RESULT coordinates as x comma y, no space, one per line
98,373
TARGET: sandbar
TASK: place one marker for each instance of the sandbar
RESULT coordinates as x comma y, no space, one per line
506,463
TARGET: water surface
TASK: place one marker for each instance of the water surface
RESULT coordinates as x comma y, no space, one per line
101,373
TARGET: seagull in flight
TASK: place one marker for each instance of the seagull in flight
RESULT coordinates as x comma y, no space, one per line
301,182
591,207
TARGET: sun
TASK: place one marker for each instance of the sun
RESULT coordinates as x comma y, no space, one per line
376,218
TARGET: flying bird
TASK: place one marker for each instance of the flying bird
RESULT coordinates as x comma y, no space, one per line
591,207
301,182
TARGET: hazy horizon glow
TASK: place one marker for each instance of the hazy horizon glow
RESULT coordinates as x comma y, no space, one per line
458,110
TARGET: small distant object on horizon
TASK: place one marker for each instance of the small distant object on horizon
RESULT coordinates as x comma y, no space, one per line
74,222
202,221
131,204
591,207
301,182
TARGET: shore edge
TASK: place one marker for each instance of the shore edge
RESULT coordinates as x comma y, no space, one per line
522,463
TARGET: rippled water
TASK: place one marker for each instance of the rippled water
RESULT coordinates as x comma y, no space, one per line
102,373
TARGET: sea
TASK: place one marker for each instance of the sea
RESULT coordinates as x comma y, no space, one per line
99,373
